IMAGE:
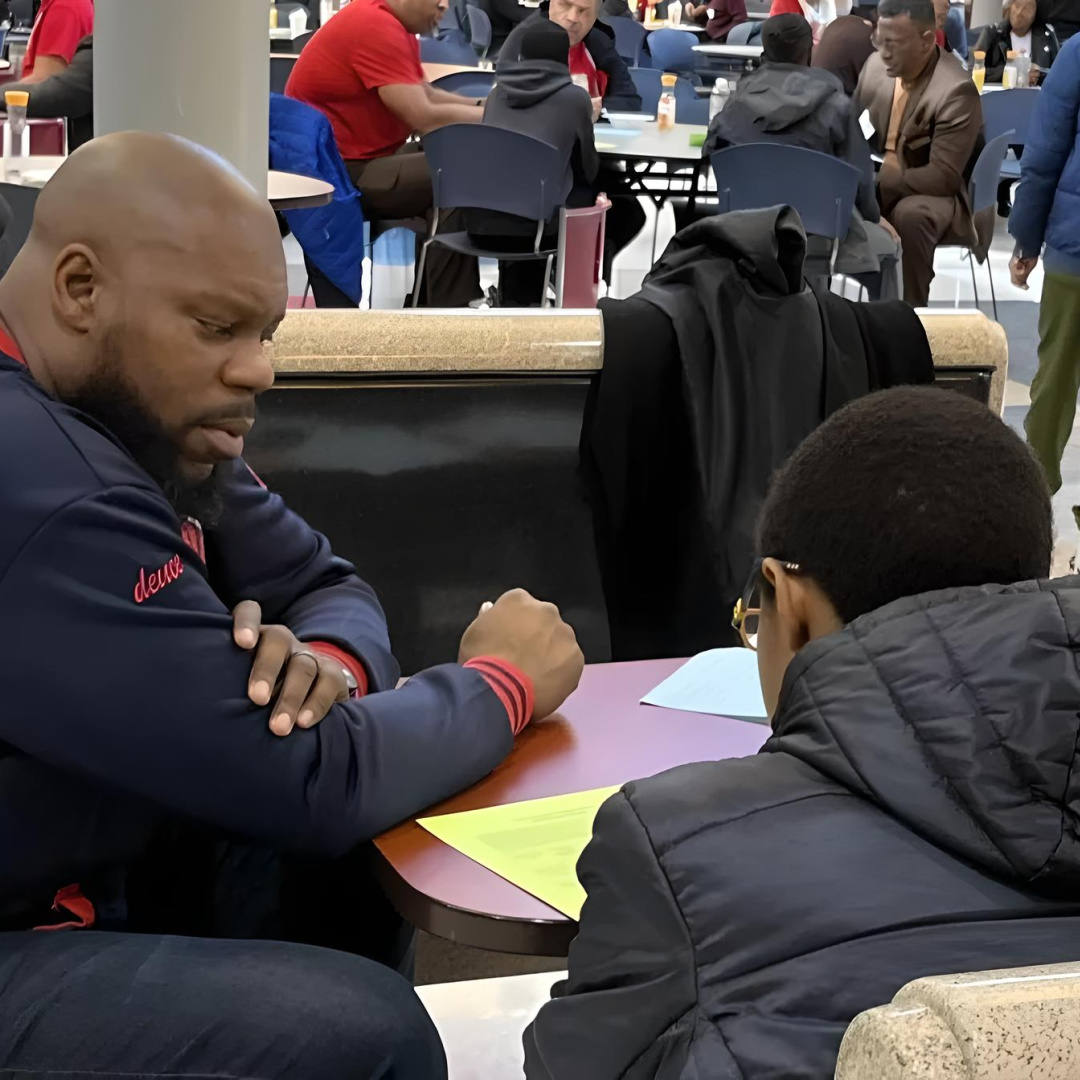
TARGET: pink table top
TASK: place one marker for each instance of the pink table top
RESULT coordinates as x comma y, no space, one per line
602,736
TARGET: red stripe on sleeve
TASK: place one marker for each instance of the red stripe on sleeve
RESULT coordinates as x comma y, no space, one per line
347,661
512,687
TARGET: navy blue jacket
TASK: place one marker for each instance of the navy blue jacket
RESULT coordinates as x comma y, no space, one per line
1047,204
118,713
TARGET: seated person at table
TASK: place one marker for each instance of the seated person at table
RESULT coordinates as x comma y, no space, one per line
1021,31
69,94
818,13
844,48
200,727
536,96
504,15
362,71
59,27
593,55
719,17
787,101
928,126
914,811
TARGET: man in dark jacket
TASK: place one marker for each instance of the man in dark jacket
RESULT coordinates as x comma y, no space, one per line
594,56
69,93
1020,31
181,653
787,101
916,809
536,96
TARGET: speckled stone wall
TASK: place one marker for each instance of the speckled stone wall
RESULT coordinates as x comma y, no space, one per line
475,342
1018,1024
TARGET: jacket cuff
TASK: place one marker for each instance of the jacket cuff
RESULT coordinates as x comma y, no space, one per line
511,686
347,661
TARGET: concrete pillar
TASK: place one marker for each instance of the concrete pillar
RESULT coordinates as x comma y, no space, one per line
197,68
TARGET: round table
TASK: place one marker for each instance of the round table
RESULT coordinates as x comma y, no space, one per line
285,191
290,191
732,52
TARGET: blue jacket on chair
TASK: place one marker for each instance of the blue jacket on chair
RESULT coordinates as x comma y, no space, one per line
1047,205
332,236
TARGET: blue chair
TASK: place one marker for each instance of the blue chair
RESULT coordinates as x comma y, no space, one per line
821,188
446,51
630,38
1009,110
982,189
690,107
488,168
673,50
473,84
479,30
741,34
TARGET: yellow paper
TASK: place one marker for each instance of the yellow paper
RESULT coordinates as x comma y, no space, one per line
535,844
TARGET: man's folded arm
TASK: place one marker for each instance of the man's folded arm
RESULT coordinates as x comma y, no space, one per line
262,551
118,665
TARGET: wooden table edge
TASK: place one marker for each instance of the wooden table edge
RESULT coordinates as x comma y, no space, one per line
481,930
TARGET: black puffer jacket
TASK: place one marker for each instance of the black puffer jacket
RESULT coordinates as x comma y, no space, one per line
915,812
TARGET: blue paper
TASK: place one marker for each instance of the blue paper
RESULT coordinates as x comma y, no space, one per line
721,682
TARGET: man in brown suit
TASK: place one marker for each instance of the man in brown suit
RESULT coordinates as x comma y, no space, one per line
928,127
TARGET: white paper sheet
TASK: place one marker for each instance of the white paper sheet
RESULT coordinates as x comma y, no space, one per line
721,682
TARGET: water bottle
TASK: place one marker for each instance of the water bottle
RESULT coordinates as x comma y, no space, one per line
16,134
721,91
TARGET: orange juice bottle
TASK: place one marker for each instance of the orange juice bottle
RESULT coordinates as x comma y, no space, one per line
665,107
978,72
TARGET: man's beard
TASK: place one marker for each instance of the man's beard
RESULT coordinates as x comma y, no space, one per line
113,402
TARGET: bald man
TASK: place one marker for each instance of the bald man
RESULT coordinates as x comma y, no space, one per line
192,683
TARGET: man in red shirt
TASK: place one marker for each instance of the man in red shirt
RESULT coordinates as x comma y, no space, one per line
362,71
58,29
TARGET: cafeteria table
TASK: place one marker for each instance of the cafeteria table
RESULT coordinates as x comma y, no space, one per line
602,736
285,191
731,52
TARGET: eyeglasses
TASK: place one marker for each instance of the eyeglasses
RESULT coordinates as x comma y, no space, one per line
747,614
895,45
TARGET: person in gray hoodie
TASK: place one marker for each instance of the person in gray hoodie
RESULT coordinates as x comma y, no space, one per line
536,96
788,101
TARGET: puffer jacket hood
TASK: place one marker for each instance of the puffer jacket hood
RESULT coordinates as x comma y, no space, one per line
528,82
779,96
957,712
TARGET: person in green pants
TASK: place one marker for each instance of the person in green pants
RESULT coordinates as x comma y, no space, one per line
1046,211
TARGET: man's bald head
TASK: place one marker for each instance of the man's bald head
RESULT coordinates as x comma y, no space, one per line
152,275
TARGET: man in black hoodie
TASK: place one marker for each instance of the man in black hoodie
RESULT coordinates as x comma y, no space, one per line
594,56
916,809
536,96
788,101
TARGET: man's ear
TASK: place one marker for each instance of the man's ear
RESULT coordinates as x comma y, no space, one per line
77,275
791,604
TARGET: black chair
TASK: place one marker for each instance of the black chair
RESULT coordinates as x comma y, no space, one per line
280,70
982,193
487,168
